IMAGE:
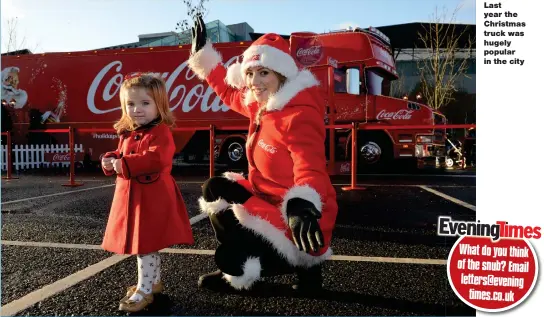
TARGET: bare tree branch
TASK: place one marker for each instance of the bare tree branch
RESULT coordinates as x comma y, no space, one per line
185,25
446,61
398,90
13,43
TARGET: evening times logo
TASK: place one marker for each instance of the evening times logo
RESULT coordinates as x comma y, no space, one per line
501,229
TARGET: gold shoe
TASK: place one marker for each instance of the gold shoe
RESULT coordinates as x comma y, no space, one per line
136,306
155,289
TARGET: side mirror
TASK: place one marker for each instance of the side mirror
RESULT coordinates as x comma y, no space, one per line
353,83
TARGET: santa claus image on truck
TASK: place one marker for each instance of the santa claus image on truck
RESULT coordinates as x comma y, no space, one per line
11,94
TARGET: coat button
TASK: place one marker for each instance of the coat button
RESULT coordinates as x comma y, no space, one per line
137,137
132,152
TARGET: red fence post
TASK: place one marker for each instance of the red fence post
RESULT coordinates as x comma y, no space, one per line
72,159
354,130
212,150
9,157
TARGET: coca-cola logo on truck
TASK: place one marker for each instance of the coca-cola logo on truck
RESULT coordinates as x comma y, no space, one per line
109,79
308,51
395,115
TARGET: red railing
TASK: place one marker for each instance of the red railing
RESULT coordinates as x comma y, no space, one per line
355,126
71,145
8,157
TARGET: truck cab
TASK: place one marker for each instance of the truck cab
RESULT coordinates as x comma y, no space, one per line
364,70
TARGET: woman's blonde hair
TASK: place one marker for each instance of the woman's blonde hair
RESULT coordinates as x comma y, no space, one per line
281,78
156,88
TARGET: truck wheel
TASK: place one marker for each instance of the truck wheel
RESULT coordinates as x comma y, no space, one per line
234,153
375,153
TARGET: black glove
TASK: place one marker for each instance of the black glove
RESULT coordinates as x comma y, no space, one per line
198,34
302,218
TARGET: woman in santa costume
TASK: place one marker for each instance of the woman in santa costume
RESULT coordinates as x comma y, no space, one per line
280,219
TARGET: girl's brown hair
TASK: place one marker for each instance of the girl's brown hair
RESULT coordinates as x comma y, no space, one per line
156,88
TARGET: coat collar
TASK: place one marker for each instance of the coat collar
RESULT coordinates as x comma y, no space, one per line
304,79
149,125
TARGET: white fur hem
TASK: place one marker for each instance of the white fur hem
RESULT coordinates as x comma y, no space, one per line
305,192
276,237
252,273
213,207
204,61
232,176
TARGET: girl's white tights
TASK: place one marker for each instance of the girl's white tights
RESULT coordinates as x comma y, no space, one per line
149,273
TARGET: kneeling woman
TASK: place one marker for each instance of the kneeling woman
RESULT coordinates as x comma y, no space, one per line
280,219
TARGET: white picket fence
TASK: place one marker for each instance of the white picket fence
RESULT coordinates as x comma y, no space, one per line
33,156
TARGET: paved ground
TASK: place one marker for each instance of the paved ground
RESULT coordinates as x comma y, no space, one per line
52,263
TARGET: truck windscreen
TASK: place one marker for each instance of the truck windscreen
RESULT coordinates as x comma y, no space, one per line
376,84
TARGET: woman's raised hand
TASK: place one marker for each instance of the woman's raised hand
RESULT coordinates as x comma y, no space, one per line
198,34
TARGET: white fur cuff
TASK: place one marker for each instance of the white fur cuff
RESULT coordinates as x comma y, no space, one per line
213,207
204,61
252,273
305,192
232,176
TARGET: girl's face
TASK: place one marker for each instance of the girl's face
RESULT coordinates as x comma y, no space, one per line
262,82
140,107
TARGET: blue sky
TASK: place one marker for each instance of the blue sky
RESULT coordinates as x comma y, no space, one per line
72,25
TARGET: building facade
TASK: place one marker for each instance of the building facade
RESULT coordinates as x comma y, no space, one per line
217,32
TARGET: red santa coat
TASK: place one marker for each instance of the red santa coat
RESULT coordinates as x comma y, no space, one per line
148,212
286,155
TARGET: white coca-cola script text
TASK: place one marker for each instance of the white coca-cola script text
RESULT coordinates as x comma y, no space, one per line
310,51
399,115
178,95
267,147
61,157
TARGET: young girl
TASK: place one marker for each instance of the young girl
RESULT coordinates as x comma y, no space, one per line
148,212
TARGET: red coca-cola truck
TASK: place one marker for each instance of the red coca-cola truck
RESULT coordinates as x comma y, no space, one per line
355,68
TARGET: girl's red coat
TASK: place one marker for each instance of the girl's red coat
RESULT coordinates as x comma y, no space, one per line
148,212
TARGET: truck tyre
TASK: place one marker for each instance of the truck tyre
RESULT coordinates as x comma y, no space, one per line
375,152
233,153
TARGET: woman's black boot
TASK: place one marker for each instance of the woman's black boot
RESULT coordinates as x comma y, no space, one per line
213,280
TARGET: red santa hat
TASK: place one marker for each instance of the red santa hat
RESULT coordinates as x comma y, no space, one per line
270,51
